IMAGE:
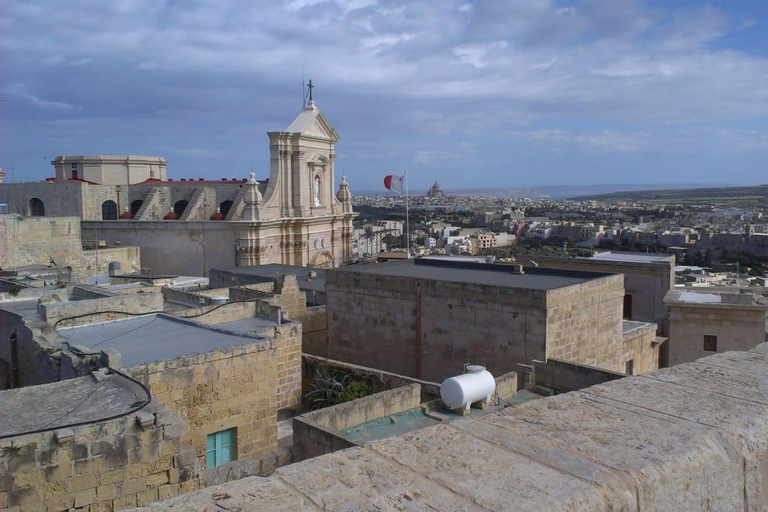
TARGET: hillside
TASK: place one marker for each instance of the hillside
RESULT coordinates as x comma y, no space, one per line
744,196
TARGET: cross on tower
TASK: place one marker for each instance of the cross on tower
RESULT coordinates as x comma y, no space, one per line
310,87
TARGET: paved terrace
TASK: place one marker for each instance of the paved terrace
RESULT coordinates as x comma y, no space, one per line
693,437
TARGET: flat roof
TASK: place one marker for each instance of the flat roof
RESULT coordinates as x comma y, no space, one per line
23,308
159,337
707,297
66,402
489,274
634,257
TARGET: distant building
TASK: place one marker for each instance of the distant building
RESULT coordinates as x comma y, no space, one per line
110,169
434,191
703,323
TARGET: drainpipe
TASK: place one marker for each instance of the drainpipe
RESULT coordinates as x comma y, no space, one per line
417,321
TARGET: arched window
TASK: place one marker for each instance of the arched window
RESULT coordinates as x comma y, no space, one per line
224,207
136,206
179,207
36,208
109,210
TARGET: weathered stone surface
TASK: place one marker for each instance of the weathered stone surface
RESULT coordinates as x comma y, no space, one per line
253,493
693,437
382,485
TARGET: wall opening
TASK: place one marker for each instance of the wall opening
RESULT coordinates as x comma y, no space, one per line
628,307
179,207
224,207
136,206
220,448
36,208
710,343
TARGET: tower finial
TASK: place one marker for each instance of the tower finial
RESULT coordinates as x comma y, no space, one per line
310,87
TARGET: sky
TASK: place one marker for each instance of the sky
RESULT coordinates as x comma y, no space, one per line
486,94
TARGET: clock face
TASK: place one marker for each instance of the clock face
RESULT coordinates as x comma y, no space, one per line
325,243
317,243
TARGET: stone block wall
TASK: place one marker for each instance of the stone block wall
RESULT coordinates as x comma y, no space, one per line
235,387
430,329
35,240
647,283
288,360
109,466
564,376
378,380
134,303
584,323
736,327
314,333
261,465
317,433
639,347
97,261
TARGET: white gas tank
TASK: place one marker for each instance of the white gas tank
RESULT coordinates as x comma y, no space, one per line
461,391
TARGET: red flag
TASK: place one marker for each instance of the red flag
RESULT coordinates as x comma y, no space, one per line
394,183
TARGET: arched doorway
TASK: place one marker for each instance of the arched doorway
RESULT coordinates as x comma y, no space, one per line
136,206
179,207
109,210
224,207
36,208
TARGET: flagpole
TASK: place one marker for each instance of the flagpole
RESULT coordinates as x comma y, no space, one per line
407,220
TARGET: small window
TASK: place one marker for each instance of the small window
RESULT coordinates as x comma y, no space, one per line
710,343
109,210
220,448
74,174
74,166
629,367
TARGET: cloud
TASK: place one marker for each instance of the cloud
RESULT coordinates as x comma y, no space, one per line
20,91
594,77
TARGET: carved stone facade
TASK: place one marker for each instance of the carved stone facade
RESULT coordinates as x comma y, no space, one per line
293,217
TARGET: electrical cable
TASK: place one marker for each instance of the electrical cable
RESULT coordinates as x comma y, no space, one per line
48,428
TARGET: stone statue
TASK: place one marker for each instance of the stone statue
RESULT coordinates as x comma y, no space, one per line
317,191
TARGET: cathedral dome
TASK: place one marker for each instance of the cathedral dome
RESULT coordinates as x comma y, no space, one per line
126,214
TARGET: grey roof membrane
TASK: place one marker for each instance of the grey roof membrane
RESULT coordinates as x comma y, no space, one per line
478,273
66,402
158,337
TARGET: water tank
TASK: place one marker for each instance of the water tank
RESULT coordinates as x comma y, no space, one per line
461,391
219,299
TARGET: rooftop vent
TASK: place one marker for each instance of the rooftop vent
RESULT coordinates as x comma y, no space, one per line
517,269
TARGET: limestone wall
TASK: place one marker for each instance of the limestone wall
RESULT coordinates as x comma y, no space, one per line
234,387
641,349
429,330
109,466
134,303
563,376
646,283
196,246
288,359
60,198
378,380
317,433
314,338
736,328
97,261
584,323
690,437
35,240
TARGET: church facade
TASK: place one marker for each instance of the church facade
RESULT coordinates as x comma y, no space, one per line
296,216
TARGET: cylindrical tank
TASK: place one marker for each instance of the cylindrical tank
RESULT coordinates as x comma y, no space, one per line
461,391
219,299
